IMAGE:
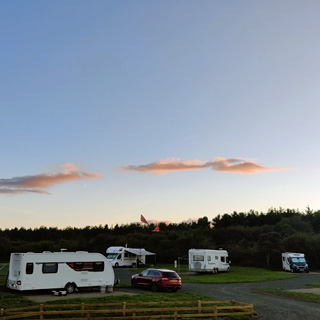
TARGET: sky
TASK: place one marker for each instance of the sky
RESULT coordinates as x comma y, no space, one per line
172,110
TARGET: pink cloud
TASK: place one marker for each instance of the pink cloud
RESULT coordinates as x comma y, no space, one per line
37,183
235,165
162,167
239,165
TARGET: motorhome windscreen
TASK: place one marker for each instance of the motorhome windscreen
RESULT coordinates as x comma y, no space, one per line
198,257
112,256
297,260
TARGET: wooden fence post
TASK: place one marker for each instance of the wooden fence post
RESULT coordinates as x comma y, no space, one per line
124,306
41,311
82,309
2,312
175,314
199,306
215,312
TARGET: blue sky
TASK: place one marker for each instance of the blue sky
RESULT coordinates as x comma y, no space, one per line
170,109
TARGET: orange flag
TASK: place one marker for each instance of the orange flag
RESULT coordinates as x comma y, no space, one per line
157,229
143,219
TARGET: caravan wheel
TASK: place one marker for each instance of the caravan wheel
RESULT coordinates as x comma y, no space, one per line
116,265
70,287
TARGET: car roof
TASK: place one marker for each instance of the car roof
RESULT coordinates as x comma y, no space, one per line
162,270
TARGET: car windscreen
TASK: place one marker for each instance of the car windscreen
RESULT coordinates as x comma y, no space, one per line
170,274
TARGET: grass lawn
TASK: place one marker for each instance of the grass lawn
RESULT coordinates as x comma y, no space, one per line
238,274
145,296
302,296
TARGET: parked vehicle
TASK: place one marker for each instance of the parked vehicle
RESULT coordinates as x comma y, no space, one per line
294,262
127,257
59,270
207,260
157,279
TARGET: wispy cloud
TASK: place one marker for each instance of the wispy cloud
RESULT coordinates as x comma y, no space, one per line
40,182
235,165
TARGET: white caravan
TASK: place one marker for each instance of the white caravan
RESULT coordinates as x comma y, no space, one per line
207,260
294,262
127,257
59,270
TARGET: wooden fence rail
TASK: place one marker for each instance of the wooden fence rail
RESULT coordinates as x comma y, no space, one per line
132,311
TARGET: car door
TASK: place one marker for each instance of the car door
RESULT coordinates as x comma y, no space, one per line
149,278
141,278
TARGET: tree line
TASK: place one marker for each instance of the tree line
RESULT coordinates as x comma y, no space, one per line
251,238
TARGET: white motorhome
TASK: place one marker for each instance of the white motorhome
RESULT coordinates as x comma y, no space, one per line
59,270
127,257
207,260
294,262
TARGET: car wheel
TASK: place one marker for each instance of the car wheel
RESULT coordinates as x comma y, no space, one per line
70,288
116,265
134,283
154,287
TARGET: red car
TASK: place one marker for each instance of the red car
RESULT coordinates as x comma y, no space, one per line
157,279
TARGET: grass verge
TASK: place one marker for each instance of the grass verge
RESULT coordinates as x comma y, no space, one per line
238,275
301,296
96,303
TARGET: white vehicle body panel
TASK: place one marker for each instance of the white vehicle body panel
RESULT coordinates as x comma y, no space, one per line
207,260
127,257
53,270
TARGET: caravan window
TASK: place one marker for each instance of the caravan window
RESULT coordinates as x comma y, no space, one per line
29,268
209,258
87,266
223,259
50,268
198,258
